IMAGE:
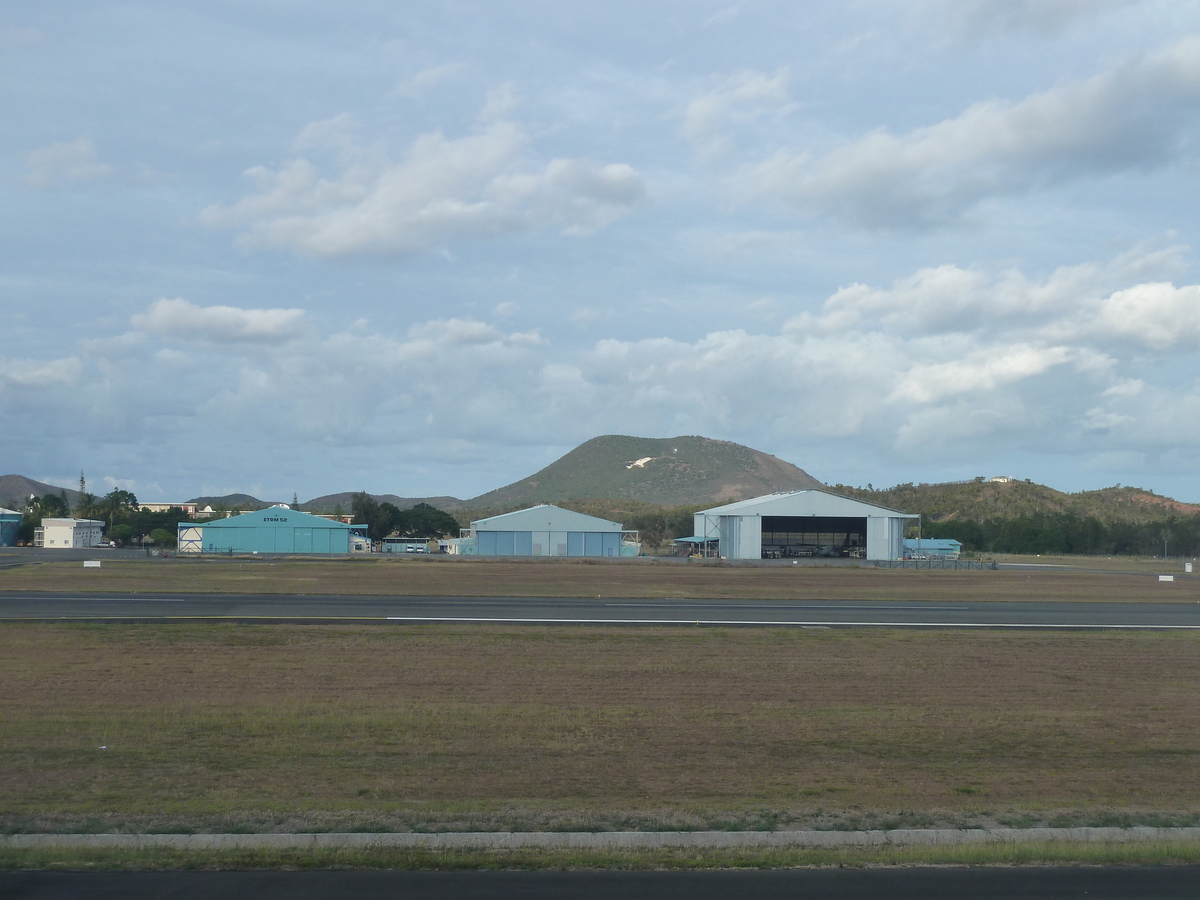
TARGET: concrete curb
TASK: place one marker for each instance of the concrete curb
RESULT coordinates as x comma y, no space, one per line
605,840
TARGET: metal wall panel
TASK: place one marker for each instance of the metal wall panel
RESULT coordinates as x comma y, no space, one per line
729,530
505,544
523,543
322,541
302,540
750,538
574,543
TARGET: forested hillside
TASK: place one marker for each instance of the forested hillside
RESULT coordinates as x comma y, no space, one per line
1023,517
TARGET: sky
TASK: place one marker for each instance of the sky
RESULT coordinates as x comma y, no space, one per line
427,248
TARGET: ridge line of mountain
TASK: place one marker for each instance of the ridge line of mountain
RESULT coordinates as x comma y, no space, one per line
638,475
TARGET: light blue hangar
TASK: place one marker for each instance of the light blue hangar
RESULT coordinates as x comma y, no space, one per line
546,531
274,530
803,523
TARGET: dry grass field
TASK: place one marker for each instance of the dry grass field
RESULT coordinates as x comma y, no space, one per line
586,578
303,727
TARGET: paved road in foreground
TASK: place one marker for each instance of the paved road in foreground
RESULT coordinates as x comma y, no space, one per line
990,883
616,611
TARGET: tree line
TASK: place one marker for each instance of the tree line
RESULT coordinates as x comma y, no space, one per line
125,520
384,519
1067,533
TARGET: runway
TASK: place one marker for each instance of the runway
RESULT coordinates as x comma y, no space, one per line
872,883
49,606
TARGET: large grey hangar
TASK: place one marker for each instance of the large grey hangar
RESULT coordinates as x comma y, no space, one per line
547,531
803,523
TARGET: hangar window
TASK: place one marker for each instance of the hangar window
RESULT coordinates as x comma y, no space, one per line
786,536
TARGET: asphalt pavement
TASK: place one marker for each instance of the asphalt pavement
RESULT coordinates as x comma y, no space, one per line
916,883
45,605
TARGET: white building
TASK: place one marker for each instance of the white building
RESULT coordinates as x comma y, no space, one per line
189,508
803,523
64,534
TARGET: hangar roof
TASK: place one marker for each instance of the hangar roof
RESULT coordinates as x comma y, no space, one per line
545,518
276,516
932,544
804,503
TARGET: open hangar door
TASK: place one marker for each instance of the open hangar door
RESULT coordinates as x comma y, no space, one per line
825,536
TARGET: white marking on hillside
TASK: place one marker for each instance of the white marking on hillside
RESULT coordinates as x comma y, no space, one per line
641,463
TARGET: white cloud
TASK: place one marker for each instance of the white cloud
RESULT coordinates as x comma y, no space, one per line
40,374
1129,387
981,371
179,318
500,101
447,332
375,389
733,99
1074,305
945,364
1157,316
67,161
428,79
1130,118
440,189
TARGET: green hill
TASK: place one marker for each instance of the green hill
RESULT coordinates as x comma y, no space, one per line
669,471
981,501
16,489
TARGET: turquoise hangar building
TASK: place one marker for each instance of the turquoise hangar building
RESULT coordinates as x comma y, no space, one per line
274,530
932,548
10,526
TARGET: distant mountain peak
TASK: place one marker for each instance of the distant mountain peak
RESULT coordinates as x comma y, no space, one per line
17,489
673,471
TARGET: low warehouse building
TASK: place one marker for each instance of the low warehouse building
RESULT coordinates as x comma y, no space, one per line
274,530
10,527
932,548
66,534
547,531
803,523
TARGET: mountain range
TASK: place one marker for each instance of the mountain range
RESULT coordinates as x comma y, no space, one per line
667,471
617,474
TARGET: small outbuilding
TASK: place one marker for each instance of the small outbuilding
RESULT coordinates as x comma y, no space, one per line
932,548
274,530
547,531
10,527
68,534
803,523
407,545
